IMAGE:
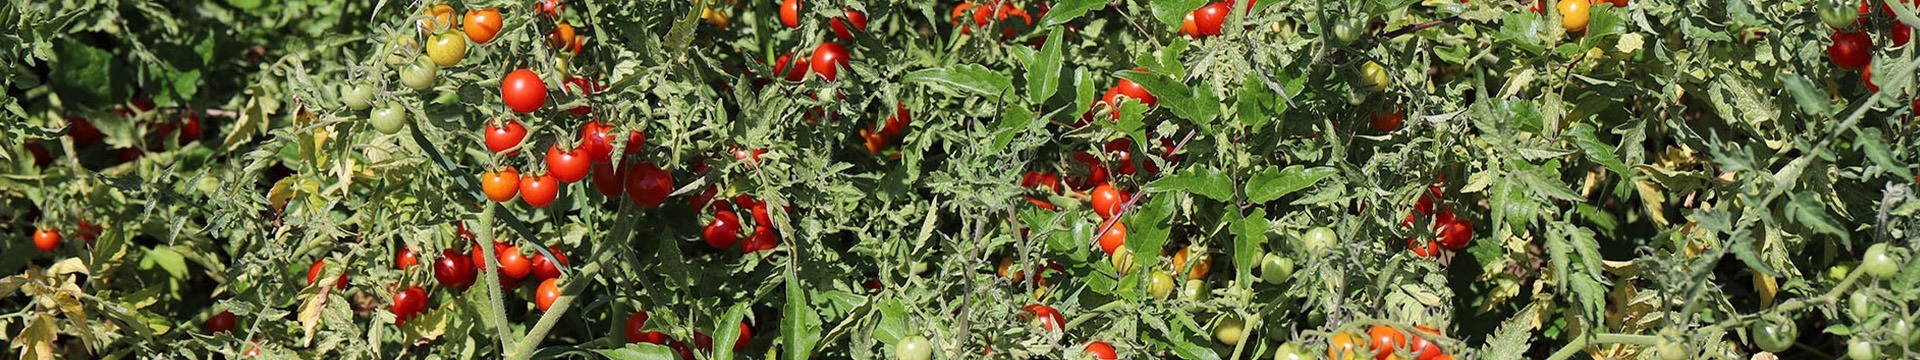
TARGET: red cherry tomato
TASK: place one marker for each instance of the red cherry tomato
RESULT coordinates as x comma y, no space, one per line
827,60
799,70
502,139
1114,237
854,20
1385,340
1456,235
609,181
897,124
763,238
636,141
319,266
1108,200
549,8
1866,76
1850,50
567,165
790,13
1385,121
481,25
635,324
222,322
513,264
500,185
648,185
1135,91
408,303
723,231
746,335
548,269
1423,248
546,294
593,140
1205,21
1901,33
83,132
46,239
405,258
523,91
1100,350
539,191
1421,348
454,270
1046,316
1096,173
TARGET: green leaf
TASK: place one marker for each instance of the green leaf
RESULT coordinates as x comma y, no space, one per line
1068,10
1148,230
1275,183
1812,100
1043,75
1171,12
1254,101
1207,182
1596,150
893,321
799,327
727,331
84,75
172,261
1249,238
1013,123
1870,142
682,32
638,351
971,78
1196,104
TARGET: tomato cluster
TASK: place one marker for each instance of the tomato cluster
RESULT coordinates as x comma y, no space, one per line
1449,232
993,13
1852,42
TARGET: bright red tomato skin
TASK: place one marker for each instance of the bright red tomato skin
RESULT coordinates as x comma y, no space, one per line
548,269
827,60
648,185
723,231
609,181
1100,350
634,327
539,191
523,91
1114,237
763,238
582,86
796,73
502,139
513,264
854,21
454,270
46,239
567,165
1107,200
636,141
790,13
408,303
1046,315
546,293
1850,50
222,322
593,140
502,185
319,266
405,258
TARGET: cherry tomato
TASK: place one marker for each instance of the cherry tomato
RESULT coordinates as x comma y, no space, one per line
1901,33
1456,234
46,239
502,139
513,264
420,74
389,119
565,38
594,140
790,13
1134,91
913,347
636,141
582,86
1422,247
523,91
856,19
746,335
723,231
797,73
454,270
1386,121
84,133
635,323
319,266
546,294
1045,316
1275,269
1159,284
567,165
500,185
355,97
648,185
481,25
1860,348
1288,351
1420,347
1318,239
1202,264
1774,335
1879,263
539,191
611,182
1230,330
447,48
1205,21
827,60
222,322
1343,346
405,258
1100,350
548,269
1114,237
1573,15
549,8
436,17
1866,76
1384,340
1107,200
1837,14
408,303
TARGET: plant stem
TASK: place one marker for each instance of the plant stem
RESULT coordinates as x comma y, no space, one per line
496,308
552,316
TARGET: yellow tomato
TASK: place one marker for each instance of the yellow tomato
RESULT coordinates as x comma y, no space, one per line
1343,347
439,16
1573,15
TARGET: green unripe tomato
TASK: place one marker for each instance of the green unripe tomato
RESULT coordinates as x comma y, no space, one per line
914,347
1348,30
357,97
1275,269
1878,263
1318,240
1672,350
1373,77
1862,305
1837,14
1196,291
420,74
1773,335
447,48
389,119
1861,349
1288,351
1160,284
1230,330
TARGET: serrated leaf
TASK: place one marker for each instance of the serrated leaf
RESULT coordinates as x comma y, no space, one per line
1249,238
727,331
1068,10
1195,104
1584,137
1043,74
1274,183
1207,182
971,78
1811,100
